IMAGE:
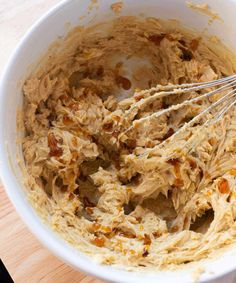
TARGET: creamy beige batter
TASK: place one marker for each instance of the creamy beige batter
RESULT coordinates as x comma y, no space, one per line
93,180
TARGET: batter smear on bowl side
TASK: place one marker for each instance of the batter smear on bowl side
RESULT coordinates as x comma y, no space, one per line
89,177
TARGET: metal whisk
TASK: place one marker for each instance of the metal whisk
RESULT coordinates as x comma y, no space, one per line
222,105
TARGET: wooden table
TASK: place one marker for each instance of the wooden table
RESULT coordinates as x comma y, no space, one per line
25,258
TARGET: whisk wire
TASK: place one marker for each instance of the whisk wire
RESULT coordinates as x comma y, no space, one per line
216,110
157,114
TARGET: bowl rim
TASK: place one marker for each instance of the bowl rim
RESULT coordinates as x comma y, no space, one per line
41,231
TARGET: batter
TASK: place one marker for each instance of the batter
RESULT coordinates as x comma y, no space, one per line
94,182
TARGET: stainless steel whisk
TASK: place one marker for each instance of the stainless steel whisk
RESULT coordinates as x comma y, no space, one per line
221,106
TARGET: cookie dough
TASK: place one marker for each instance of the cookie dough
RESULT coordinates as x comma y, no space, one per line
88,172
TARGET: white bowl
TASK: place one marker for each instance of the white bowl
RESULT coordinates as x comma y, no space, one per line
32,46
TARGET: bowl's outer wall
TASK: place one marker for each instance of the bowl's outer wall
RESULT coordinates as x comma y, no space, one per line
30,49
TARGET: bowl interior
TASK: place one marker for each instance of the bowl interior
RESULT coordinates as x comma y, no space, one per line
35,43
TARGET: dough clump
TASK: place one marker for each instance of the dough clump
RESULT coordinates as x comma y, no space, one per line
92,180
